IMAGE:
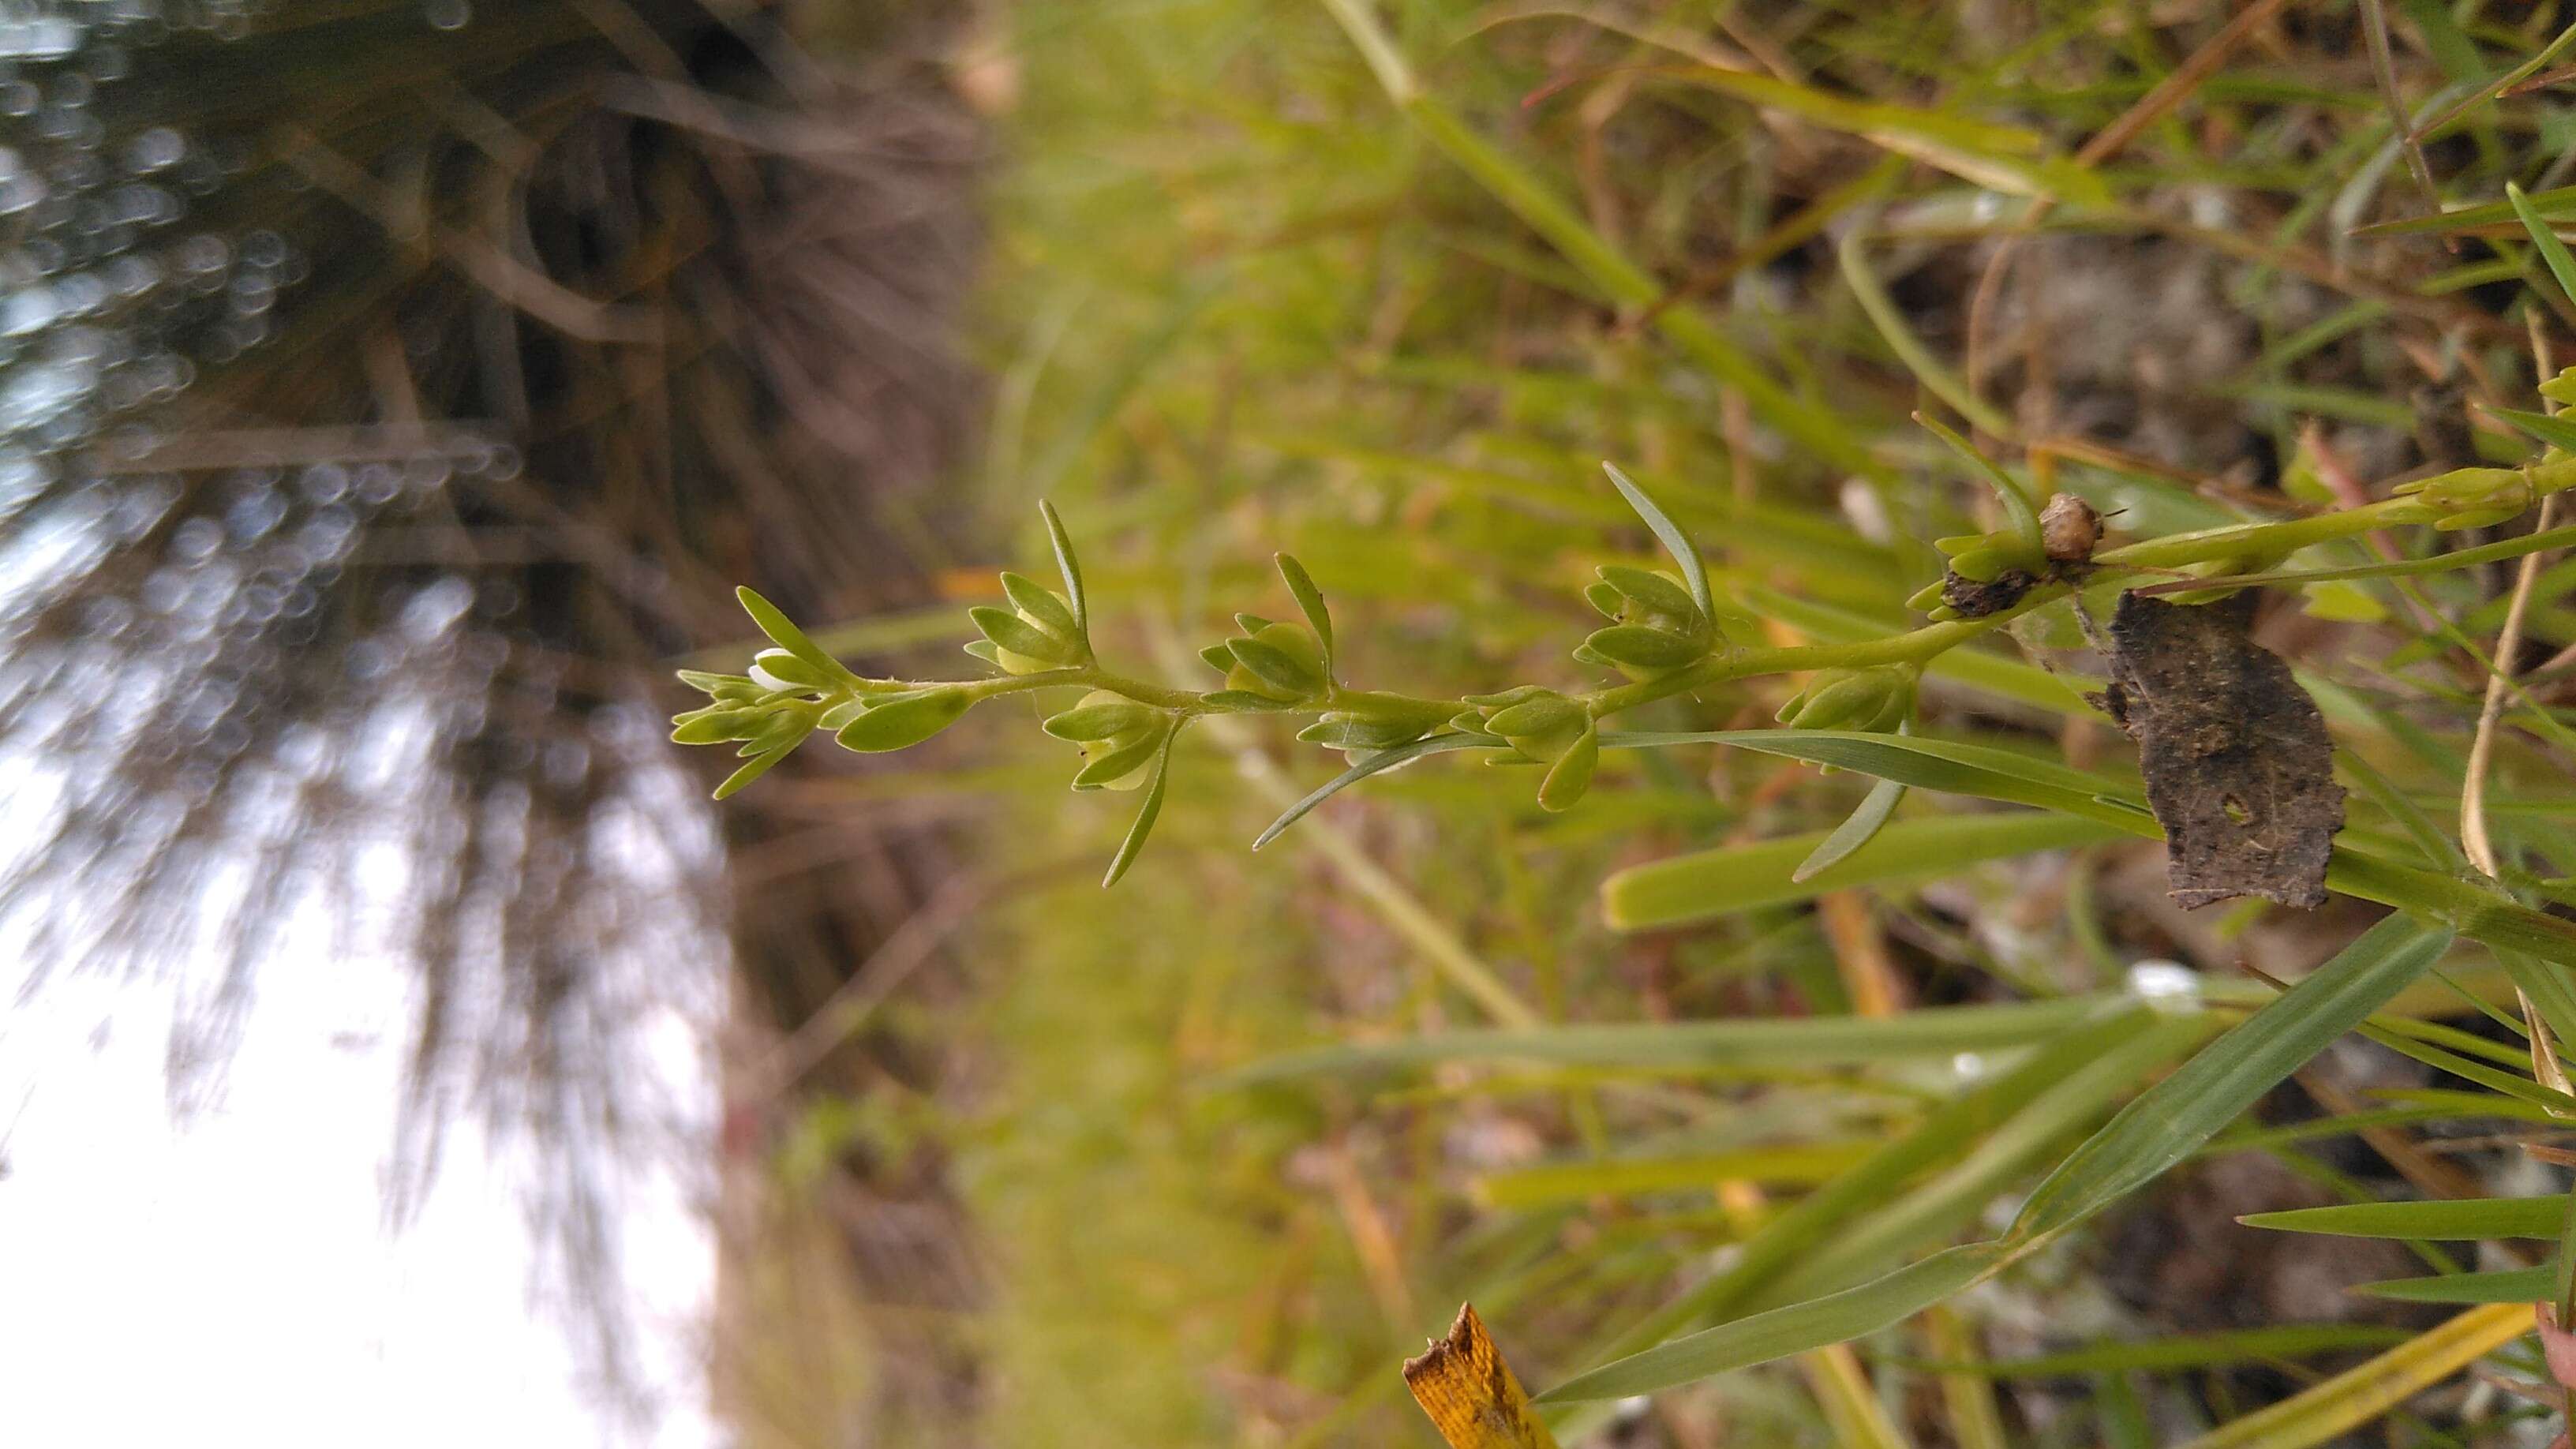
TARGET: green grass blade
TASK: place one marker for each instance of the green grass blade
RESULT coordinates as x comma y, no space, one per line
1836,1318
2492,1217
2320,1414
2182,1351
1551,1183
2557,432
2509,1285
2171,1120
1933,1032
1712,883
2552,250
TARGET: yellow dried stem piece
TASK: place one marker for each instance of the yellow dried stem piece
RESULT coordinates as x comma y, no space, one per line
1471,1395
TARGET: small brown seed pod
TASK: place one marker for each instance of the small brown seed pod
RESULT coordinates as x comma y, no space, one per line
2069,528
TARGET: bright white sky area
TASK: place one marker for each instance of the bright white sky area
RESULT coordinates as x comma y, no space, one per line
231,1278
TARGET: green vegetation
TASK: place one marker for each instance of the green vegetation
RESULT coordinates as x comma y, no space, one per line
1737,1023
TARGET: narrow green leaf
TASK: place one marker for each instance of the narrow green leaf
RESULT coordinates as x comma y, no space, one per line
1835,1318
1935,1032
1067,565
1382,761
2158,1128
1310,602
2509,1285
1876,1189
1670,535
1930,764
2485,1217
2181,1351
2558,204
1857,830
752,771
1931,1212
1799,1164
2321,1413
1707,884
784,632
2555,431
2170,1120
2473,910
1146,814
2552,250
2017,505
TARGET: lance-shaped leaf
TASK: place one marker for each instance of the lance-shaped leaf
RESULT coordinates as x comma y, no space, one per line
2489,1217
2159,1128
1146,814
2016,501
1670,535
2552,250
784,632
1310,602
1067,565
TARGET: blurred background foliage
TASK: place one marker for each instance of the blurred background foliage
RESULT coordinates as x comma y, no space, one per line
623,303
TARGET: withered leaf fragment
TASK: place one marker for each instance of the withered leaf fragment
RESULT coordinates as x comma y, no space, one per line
1974,600
2238,764
1462,1382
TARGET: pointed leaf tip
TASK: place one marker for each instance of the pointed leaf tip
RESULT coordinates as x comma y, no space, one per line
1669,534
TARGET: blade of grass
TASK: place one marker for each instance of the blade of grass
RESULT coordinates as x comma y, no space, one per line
2509,1285
2317,1415
2160,1127
2494,1217
1618,279
1931,1033
1708,884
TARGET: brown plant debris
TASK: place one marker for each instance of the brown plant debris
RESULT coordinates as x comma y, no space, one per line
2238,765
1462,1382
1975,600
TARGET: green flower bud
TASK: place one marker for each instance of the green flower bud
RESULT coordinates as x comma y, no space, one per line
1117,737
1641,651
1540,723
1281,662
779,669
1101,715
1035,635
1852,699
714,725
1655,600
1985,557
2472,497
2562,388
1359,734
